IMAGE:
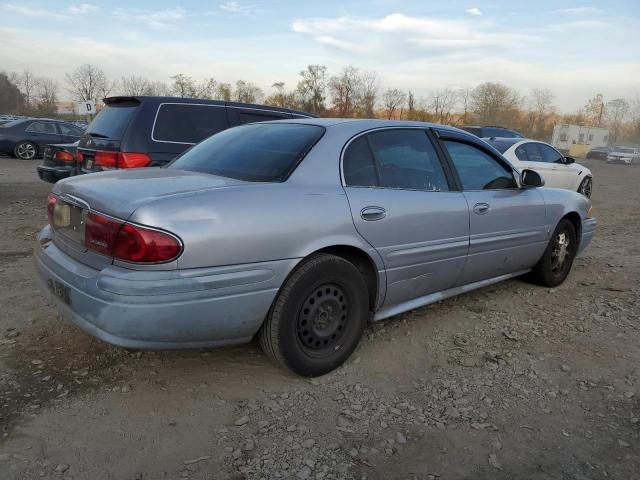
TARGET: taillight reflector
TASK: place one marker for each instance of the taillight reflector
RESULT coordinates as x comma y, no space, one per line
51,204
63,156
129,242
121,159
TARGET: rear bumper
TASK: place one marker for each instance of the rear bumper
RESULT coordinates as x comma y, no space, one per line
53,174
192,308
588,230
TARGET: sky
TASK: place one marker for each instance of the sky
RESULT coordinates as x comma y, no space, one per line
575,49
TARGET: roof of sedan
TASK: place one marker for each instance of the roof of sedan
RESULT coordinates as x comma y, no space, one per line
365,123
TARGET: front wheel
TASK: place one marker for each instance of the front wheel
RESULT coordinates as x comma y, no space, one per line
25,150
586,187
318,317
554,266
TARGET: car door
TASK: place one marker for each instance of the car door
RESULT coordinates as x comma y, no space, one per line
402,203
540,160
507,224
563,175
42,133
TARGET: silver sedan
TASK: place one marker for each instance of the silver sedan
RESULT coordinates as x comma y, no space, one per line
299,232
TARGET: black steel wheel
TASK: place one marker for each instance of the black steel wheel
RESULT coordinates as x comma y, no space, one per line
318,317
554,266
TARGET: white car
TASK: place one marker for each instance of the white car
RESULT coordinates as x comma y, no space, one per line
557,170
625,155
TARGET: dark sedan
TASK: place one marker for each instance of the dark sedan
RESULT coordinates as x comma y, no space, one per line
26,139
59,161
599,153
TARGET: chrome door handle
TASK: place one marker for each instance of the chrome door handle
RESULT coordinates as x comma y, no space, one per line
373,213
481,208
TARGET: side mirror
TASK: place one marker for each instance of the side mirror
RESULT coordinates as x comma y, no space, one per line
569,160
531,178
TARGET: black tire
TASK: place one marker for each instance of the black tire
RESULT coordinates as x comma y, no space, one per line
318,317
586,187
25,150
554,266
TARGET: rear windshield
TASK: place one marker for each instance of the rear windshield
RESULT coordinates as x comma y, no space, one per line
112,121
264,152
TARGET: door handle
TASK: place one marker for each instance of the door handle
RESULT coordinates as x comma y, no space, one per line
373,213
481,208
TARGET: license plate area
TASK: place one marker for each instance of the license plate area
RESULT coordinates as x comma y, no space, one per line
68,220
59,290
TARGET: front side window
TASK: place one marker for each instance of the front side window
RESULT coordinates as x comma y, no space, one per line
406,159
478,170
549,154
260,152
188,123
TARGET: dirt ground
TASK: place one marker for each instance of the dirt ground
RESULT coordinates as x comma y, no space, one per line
512,381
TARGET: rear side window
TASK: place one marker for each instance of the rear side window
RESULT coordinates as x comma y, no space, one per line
42,127
407,160
184,123
358,164
478,170
112,121
521,153
251,117
260,152
69,130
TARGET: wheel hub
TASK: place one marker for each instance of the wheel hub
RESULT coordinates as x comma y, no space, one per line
560,251
322,318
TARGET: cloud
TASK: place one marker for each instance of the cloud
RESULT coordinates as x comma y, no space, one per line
83,8
577,25
397,30
581,10
475,11
157,20
239,8
34,12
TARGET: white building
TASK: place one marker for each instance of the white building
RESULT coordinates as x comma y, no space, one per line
565,135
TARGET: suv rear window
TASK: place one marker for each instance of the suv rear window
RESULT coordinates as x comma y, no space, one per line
188,123
260,152
112,121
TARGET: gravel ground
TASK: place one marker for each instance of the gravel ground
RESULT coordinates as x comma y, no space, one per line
511,381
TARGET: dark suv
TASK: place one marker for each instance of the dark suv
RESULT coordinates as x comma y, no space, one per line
492,131
133,132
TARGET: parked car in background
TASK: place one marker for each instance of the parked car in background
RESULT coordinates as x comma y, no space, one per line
133,132
557,170
59,161
492,131
26,139
599,153
624,155
299,231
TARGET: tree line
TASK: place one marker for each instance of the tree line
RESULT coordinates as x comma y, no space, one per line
352,92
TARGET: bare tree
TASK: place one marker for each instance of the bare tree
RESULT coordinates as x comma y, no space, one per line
183,86
464,96
312,88
540,108
47,96
393,99
27,82
617,112
345,89
281,98
368,95
158,89
442,102
135,85
206,88
224,91
88,82
247,92
635,119
595,111
494,103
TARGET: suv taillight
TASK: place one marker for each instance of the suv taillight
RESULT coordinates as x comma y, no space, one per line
129,242
121,159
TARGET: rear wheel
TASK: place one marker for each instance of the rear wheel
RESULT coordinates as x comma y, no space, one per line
586,186
556,262
318,317
25,150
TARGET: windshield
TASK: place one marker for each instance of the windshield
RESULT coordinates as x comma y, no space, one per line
111,122
11,123
259,152
624,150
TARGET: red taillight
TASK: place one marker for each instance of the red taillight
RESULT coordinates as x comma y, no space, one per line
51,204
79,157
128,242
133,160
121,159
63,156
